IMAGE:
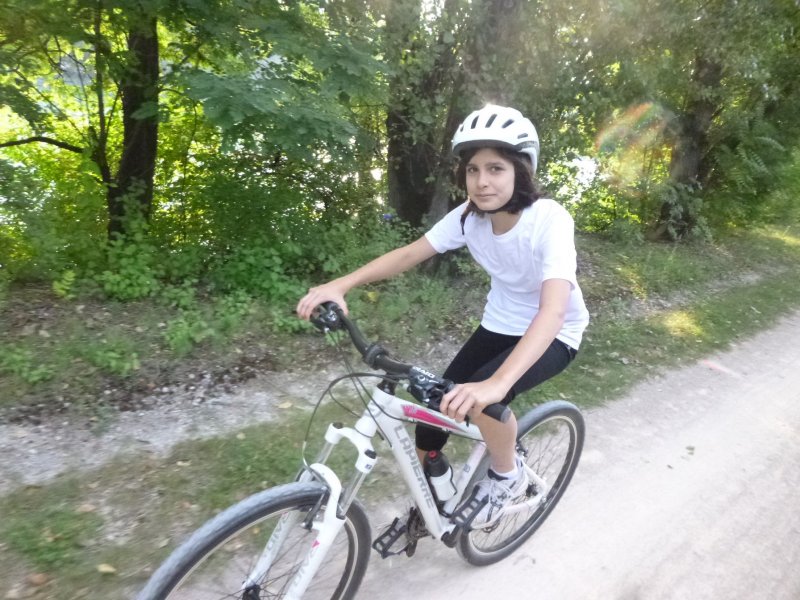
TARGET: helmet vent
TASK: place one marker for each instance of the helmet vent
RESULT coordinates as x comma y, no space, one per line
474,122
491,120
507,123
522,135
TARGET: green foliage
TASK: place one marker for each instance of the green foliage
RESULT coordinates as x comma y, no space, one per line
196,325
783,203
285,84
260,269
47,229
683,206
275,115
345,245
4,284
231,310
21,362
183,296
747,172
185,332
288,56
133,268
625,231
115,355
279,267
64,286
283,319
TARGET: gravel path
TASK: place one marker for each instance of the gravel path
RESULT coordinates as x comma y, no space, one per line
688,489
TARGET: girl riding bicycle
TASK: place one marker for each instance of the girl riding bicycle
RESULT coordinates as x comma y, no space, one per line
534,316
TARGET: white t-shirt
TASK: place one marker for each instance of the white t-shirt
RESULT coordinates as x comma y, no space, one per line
539,247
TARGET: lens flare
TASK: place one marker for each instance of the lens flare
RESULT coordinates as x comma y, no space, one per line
632,145
638,127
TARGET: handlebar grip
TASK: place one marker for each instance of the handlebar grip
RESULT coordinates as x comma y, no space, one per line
500,412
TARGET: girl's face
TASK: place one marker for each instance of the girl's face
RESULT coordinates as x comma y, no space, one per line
490,179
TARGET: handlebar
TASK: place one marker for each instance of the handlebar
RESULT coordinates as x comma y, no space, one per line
423,385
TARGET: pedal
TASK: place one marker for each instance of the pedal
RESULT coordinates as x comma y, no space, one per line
411,530
384,542
466,513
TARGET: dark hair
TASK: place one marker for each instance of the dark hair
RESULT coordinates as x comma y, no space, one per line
527,189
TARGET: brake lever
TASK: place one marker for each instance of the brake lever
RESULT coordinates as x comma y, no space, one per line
325,318
427,388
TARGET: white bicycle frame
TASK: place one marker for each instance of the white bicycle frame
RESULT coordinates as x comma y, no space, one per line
388,414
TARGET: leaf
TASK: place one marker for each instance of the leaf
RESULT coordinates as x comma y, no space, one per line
106,569
285,405
37,579
146,110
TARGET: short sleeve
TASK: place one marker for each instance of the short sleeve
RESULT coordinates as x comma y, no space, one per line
446,234
556,246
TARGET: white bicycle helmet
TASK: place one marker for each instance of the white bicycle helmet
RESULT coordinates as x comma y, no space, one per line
498,126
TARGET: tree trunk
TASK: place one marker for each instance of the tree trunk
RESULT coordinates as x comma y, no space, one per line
131,196
444,181
482,75
420,165
689,168
409,167
414,99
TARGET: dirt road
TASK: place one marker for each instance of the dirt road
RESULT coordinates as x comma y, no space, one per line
689,488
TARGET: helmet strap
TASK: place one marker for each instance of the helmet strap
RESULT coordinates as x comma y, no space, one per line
503,208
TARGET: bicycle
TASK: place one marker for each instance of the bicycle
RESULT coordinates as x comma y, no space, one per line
312,538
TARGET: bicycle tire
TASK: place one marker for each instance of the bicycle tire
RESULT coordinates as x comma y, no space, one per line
216,559
550,440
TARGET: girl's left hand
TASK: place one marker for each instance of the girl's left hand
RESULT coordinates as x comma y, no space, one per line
469,399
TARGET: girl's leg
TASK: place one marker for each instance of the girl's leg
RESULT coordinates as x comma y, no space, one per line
481,348
506,482
478,359
501,437
501,441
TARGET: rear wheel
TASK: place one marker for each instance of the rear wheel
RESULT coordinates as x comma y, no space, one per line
549,441
217,559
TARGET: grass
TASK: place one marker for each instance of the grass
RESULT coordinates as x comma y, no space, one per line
57,354
74,529
695,300
99,533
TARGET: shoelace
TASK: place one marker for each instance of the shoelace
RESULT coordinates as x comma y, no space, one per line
498,492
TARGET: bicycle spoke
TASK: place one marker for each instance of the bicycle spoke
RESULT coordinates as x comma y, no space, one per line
550,446
216,565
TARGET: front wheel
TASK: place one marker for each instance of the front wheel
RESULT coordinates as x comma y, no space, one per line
549,441
215,561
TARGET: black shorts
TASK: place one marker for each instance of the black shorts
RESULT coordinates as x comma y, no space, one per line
480,357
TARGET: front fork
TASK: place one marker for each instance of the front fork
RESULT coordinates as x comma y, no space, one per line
333,515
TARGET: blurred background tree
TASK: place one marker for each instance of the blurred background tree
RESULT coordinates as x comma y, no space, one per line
149,142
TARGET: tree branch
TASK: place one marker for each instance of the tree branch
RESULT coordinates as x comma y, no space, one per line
44,140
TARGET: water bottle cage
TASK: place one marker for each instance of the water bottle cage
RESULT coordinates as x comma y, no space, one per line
427,388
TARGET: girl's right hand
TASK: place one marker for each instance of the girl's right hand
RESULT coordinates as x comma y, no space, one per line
327,292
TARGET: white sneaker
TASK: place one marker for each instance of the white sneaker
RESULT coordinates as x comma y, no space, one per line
489,497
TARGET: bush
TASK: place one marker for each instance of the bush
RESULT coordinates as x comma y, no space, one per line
133,269
49,224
